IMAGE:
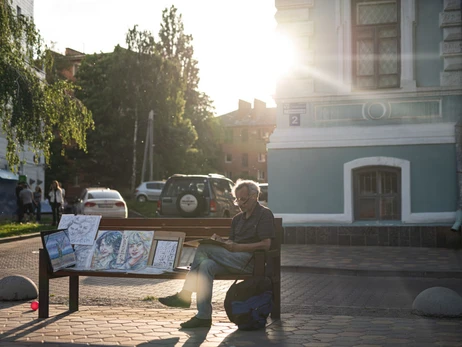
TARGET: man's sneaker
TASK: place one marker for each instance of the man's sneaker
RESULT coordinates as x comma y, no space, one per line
175,301
195,322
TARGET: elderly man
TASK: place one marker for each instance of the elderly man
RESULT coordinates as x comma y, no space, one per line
251,230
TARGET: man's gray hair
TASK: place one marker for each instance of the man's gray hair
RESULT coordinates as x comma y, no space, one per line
252,186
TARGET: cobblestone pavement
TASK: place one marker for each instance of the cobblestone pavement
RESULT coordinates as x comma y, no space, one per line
318,309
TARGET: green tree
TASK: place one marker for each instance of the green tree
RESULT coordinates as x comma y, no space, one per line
175,45
33,112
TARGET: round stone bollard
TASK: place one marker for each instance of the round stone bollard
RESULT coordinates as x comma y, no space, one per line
17,287
438,302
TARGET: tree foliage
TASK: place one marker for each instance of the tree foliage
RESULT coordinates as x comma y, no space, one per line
33,112
122,87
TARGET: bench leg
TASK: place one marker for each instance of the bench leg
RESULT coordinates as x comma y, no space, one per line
73,293
276,313
44,285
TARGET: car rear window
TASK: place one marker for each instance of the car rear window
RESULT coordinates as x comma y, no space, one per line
104,195
177,186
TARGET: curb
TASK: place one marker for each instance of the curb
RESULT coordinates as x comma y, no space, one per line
19,237
372,273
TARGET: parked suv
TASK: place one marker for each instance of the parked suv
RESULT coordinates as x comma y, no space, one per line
208,196
149,191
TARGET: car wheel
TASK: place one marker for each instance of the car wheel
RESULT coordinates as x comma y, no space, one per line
142,198
189,204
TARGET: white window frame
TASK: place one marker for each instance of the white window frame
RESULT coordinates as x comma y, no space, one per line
261,175
261,157
226,158
345,49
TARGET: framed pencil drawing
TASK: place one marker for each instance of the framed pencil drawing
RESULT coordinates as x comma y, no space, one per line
59,248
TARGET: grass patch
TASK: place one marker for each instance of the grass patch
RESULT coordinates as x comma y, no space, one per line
146,209
149,298
7,228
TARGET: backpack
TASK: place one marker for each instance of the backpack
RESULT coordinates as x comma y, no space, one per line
249,303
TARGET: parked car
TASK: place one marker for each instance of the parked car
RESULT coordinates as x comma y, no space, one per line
149,191
263,198
208,196
101,201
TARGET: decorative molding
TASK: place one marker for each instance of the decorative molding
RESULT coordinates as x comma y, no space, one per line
451,78
292,15
423,92
349,136
451,5
453,63
282,4
452,33
450,18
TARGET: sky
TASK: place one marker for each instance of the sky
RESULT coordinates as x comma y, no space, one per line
235,42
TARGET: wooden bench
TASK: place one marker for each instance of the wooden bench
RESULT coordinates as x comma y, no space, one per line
268,263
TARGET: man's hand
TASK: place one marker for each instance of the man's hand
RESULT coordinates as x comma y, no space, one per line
231,246
217,238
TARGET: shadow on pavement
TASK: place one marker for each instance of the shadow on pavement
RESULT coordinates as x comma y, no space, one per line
30,327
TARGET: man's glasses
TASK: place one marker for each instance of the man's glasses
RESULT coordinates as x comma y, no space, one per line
242,200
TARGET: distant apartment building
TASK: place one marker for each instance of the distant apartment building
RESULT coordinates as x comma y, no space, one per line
245,134
69,63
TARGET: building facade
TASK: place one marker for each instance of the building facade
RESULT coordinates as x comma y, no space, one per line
366,121
246,132
33,169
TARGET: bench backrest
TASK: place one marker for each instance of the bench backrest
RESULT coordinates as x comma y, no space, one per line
195,228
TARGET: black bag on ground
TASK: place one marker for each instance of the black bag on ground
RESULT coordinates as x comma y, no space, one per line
249,303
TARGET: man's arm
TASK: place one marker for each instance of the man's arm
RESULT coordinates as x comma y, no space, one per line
264,244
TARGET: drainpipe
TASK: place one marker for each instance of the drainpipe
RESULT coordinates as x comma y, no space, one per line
458,130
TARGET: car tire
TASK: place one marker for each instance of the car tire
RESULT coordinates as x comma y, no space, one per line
189,204
142,198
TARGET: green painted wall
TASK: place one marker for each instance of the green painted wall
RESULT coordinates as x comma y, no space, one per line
428,36
311,180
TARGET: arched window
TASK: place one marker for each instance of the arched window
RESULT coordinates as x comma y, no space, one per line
377,193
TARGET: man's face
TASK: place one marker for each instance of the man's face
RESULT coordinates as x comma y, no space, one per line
245,201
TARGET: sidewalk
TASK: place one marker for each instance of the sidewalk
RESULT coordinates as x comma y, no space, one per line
104,323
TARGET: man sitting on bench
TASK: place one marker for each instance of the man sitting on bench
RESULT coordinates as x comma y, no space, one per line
251,230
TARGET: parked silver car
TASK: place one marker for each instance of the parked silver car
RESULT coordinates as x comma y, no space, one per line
149,191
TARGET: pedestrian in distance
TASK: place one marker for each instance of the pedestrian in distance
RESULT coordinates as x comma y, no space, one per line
38,203
252,229
19,209
56,199
27,197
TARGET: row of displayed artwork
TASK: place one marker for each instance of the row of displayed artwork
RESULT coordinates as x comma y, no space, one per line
78,244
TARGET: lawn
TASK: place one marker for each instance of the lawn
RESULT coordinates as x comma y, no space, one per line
9,228
146,209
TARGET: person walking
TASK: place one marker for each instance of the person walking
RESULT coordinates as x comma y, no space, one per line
56,199
38,203
251,230
19,209
26,196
